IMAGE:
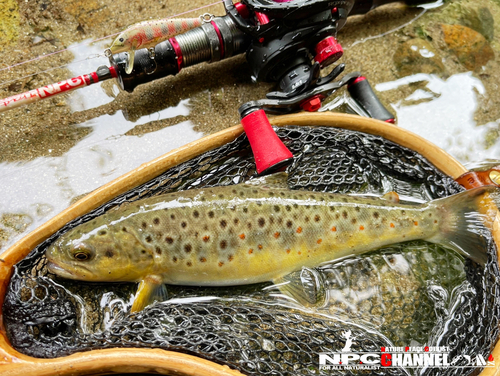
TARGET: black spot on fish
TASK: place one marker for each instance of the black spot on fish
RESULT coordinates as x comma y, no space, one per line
306,219
344,214
254,191
174,259
261,222
344,199
158,250
308,206
143,251
245,210
188,248
354,220
183,224
282,193
169,240
295,206
203,199
189,263
172,216
403,212
357,208
223,244
211,214
102,232
332,208
230,257
289,224
249,225
259,203
317,218
236,221
124,229
223,223
144,225
221,195
276,208
234,191
156,221
149,239
288,208
376,215
109,253
271,220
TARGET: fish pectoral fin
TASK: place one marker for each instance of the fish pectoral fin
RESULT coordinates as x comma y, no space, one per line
306,286
130,61
150,289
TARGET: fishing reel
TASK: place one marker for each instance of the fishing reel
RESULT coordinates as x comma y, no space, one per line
286,41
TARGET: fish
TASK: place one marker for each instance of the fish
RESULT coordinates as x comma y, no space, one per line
258,231
148,34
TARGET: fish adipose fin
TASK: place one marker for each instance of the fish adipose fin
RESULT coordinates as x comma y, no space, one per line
150,289
468,220
306,286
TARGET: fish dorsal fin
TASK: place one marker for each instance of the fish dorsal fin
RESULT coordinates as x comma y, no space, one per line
278,180
392,197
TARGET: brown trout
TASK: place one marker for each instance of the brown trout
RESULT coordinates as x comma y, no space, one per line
255,232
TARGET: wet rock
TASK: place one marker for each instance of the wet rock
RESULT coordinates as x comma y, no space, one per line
470,47
479,19
417,56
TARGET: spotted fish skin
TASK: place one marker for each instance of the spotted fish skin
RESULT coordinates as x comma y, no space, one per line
239,234
148,34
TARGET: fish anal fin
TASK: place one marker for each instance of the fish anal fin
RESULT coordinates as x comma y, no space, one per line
278,180
306,286
150,289
392,197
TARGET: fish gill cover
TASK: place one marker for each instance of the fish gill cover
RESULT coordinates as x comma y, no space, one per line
408,294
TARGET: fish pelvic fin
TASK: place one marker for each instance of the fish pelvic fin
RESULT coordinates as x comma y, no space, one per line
150,289
469,217
306,286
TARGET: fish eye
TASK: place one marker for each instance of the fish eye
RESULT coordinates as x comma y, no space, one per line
121,39
81,256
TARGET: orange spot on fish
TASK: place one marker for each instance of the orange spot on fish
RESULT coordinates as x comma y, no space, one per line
250,251
415,223
206,238
230,258
361,228
300,253
299,230
435,221
260,246
203,259
221,263
334,228
288,250
242,236
276,235
392,225
318,241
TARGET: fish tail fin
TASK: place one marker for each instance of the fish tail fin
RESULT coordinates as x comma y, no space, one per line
468,218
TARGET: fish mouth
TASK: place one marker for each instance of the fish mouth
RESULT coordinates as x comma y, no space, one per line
60,271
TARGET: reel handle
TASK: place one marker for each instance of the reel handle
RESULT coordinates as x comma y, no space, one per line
362,92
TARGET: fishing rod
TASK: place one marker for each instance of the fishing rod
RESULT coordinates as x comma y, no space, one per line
286,41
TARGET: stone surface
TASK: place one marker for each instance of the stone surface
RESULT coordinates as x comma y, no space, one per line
479,19
9,23
417,56
470,47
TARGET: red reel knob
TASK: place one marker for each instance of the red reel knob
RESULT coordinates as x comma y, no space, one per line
328,51
269,152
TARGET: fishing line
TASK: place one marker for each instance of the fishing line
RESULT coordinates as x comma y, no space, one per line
387,32
93,41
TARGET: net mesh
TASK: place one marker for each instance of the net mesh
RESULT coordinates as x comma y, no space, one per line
408,294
